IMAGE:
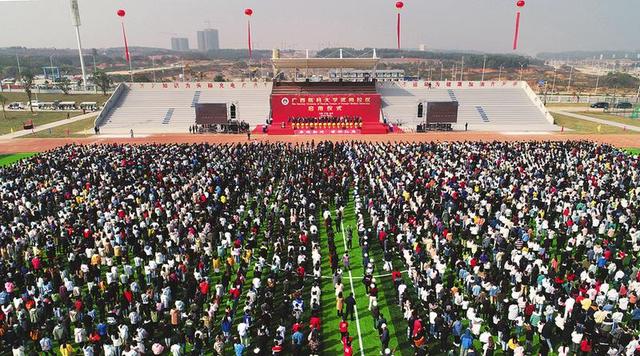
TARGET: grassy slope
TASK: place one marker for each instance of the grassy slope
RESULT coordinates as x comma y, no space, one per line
15,119
78,98
567,105
586,127
615,118
81,128
6,160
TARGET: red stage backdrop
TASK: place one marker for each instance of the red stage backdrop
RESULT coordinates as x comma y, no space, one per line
366,106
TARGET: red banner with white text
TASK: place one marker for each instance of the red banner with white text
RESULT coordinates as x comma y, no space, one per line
364,106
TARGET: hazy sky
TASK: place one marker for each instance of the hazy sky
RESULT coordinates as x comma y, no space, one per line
485,25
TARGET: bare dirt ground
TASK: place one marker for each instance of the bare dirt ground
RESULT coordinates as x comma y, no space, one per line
40,145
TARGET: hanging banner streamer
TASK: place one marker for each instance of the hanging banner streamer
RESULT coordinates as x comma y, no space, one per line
519,4
121,14
399,6
248,12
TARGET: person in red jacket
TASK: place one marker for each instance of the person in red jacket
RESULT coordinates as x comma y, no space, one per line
585,346
346,346
314,322
344,328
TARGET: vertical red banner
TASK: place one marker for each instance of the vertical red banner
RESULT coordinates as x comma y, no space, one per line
126,46
515,37
398,30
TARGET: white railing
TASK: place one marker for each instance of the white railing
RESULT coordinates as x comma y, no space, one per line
537,101
110,104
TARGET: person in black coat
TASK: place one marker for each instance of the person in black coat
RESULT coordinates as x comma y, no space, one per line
350,304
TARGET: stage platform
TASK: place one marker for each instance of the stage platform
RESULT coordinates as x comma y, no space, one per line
366,130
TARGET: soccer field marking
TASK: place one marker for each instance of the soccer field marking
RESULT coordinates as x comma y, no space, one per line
356,277
355,307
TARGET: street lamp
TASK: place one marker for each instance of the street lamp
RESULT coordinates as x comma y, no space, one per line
521,68
484,64
500,73
570,75
75,19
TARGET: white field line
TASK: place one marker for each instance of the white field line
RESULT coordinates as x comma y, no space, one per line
349,277
355,307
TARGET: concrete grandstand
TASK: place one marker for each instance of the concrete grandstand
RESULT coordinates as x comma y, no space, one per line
505,106
154,108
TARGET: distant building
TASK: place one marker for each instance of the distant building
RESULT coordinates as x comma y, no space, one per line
422,47
208,40
180,44
385,75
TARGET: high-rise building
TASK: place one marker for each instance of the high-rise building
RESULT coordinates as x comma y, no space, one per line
179,44
208,40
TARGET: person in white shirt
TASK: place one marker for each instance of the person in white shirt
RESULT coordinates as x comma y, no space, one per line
243,333
87,350
176,350
563,350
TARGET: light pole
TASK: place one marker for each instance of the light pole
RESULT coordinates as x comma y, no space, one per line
638,94
441,70
462,70
75,19
500,73
521,67
153,63
570,75
19,69
553,86
484,64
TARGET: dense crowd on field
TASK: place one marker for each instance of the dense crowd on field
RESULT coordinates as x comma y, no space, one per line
486,248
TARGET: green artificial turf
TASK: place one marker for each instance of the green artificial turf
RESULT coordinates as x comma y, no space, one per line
6,160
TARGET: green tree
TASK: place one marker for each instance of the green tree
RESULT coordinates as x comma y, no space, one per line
64,84
102,80
219,78
3,102
27,84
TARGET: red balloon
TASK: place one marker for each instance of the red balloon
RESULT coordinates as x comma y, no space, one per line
399,5
121,13
248,12
520,3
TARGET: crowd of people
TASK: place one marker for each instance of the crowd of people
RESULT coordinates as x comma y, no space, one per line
491,248
325,121
232,126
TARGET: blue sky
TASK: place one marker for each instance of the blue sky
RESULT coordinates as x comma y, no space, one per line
484,25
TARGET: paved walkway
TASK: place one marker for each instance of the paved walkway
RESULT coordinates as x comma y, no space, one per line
599,121
21,133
